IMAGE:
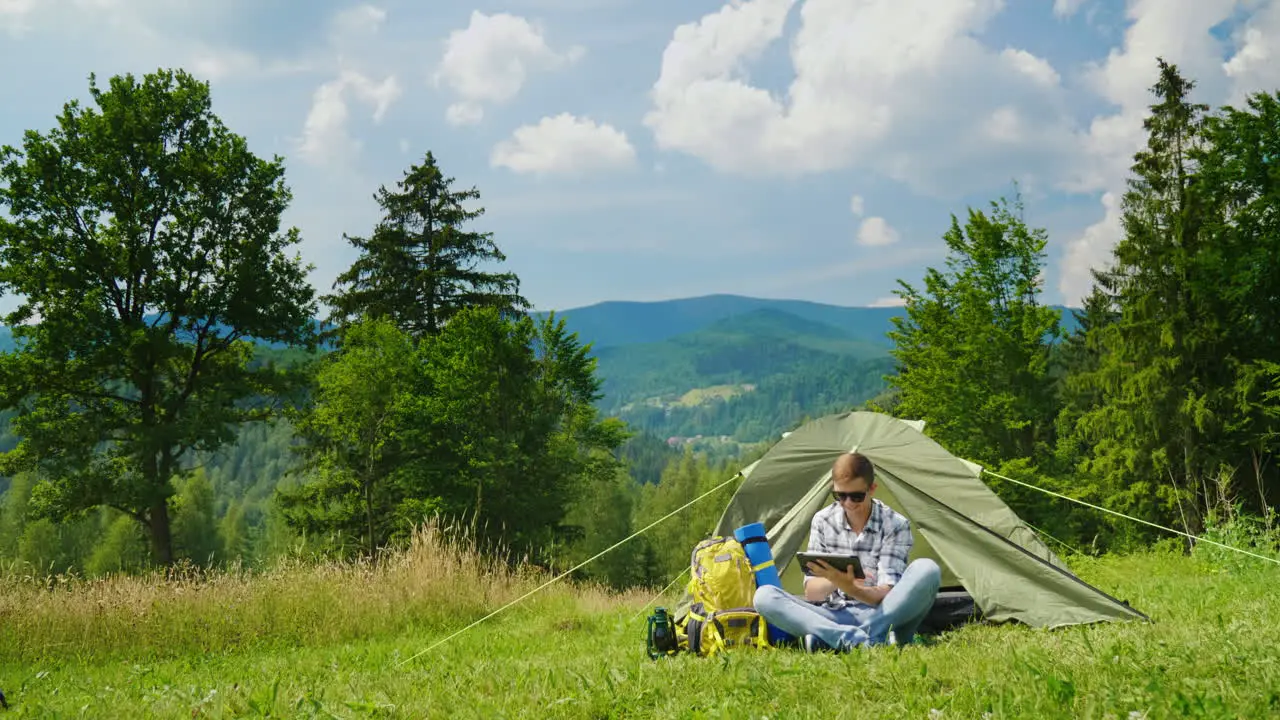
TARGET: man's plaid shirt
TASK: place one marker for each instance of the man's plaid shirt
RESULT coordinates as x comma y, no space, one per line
883,546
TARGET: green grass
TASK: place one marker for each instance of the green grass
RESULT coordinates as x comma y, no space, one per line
332,642
699,396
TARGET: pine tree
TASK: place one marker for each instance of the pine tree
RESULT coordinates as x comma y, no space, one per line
1158,383
1082,355
419,267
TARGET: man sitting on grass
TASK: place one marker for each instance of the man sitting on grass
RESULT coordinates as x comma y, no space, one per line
839,611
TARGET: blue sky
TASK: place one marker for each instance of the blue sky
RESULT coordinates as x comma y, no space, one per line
650,149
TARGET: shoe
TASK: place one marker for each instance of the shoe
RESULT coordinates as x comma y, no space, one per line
812,644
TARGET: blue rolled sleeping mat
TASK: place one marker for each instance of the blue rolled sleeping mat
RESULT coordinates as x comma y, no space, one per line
756,545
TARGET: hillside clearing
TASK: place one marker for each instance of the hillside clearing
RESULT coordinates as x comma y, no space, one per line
701,396
332,647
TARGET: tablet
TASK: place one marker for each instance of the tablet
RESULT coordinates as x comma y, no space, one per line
835,560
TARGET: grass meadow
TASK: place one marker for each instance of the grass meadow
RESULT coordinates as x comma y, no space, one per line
335,641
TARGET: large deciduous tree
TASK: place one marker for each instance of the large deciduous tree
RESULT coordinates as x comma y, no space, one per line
143,241
1238,274
420,266
973,346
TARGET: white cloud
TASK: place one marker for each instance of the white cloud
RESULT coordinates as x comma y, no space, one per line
140,34
13,16
899,87
856,205
887,301
1004,124
1066,8
326,139
876,231
225,63
215,65
564,144
1256,64
151,24
358,21
324,134
1036,68
1178,31
1090,251
464,113
489,61
878,264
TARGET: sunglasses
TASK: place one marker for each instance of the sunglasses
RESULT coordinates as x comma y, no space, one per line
854,496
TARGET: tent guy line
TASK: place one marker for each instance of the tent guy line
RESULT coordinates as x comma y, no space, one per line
1038,531
575,568
660,594
1130,517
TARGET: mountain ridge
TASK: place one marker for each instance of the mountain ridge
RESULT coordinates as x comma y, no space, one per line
613,323
625,322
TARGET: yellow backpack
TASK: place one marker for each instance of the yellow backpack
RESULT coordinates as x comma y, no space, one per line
722,590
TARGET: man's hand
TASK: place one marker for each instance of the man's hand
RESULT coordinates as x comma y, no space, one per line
862,590
844,580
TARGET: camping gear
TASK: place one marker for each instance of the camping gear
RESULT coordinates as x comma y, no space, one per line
721,580
725,629
756,545
662,634
994,567
720,574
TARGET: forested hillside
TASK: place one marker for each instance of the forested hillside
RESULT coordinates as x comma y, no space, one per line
748,376
738,349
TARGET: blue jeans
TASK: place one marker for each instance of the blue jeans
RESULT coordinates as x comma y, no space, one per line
856,624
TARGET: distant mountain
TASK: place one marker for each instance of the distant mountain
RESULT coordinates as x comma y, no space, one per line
739,349
7,343
741,376
617,323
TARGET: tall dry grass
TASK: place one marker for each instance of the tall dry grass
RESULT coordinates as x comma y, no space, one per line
439,582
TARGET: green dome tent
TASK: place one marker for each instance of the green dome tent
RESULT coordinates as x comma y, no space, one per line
989,557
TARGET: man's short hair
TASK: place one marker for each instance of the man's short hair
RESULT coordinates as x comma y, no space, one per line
855,465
